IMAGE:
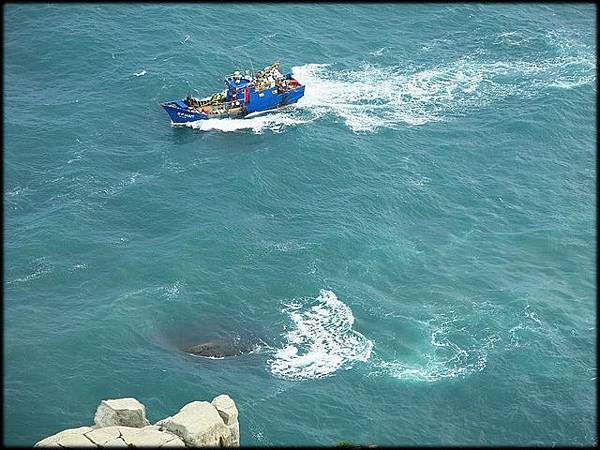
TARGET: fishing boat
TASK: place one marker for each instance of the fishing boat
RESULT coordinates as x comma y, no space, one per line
244,94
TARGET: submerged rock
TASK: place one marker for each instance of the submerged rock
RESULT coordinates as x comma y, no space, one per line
219,349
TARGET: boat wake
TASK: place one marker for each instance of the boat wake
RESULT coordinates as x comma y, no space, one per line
275,122
371,97
321,339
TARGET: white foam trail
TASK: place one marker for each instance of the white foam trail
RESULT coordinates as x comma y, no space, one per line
275,122
321,339
369,97
139,74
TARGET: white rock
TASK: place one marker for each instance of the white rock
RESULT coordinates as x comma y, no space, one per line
198,424
123,411
123,423
52,441
116,443
174,443
160,423
147,437
101,436
226,408
75,440
225,405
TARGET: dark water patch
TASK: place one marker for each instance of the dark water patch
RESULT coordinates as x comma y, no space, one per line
211,340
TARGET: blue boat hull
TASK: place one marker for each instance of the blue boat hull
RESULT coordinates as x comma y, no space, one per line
258,101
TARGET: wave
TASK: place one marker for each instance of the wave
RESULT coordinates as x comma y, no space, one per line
321,339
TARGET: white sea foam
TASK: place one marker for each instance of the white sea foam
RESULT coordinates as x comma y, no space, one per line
141,73
455,351
321,339
370,97
288,246
378,52
40,267
116,189
275,122
172,290
462,341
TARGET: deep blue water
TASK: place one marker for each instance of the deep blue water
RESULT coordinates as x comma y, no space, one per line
411,250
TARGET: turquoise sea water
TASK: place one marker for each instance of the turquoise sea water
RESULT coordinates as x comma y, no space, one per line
410,251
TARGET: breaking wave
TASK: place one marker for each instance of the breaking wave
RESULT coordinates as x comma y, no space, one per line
321,339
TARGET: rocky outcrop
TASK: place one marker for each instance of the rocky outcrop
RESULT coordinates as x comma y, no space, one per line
198,424
122,411
229,413
122,423
112,436
72,437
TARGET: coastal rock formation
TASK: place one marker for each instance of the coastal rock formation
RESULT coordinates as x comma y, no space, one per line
122,423
198,424
123,411
229,413
72,437
112,436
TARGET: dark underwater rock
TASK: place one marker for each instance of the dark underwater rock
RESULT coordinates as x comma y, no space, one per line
218,349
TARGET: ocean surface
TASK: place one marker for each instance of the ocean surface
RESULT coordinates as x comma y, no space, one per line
409,253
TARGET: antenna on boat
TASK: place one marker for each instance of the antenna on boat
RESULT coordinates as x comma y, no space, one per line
251,68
